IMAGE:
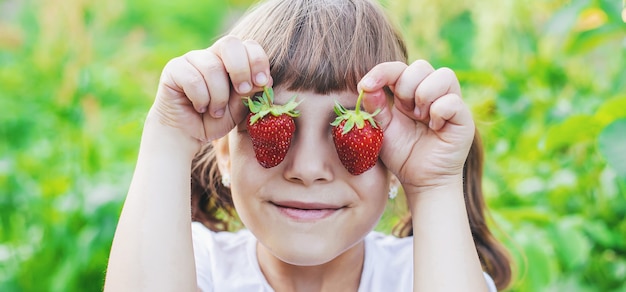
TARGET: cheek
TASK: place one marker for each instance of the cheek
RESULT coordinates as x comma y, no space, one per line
243,164
373,188
239,144
247,206
247,177
378,188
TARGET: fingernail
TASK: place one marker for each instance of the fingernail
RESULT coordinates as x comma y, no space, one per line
368,82
244,87
218,113
260,79
202,110
417,112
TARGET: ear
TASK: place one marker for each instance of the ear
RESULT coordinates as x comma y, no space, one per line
222,154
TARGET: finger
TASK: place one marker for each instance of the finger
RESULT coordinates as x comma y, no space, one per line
439,83
383,74
259,64
232,52
373,84
450,110
182,76
215,78
408,83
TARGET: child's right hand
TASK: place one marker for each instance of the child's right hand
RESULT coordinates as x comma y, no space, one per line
200,92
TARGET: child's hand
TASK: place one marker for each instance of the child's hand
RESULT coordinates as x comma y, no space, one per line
200,92
428,129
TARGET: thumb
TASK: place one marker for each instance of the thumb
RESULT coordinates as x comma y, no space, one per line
377,100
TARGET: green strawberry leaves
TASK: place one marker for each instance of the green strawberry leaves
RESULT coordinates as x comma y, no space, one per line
264,105
354,117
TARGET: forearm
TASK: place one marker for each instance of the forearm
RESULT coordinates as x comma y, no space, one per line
152,249
445,257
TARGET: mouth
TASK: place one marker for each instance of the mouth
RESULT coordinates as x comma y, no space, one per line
302,211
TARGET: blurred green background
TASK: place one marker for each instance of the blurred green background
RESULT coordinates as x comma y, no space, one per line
545,79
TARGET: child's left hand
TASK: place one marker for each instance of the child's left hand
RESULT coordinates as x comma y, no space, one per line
428,129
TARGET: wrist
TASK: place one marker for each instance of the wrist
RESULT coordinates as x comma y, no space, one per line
436,191
167,139
435,185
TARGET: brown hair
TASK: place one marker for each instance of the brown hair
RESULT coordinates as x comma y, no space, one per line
327,46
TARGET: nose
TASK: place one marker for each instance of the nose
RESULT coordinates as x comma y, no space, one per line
310,157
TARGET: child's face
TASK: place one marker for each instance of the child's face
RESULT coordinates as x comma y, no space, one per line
342,208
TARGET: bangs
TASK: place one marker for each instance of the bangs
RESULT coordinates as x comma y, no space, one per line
322,46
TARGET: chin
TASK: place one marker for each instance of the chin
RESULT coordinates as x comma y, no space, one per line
305,258
307,250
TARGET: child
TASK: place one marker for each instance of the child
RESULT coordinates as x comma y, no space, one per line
308,221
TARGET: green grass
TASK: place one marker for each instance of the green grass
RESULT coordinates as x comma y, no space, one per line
546,82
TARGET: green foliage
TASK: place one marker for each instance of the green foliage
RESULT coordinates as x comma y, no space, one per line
76,80
611,142
546,82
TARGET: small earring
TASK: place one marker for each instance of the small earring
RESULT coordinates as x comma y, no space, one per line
393,192
226,180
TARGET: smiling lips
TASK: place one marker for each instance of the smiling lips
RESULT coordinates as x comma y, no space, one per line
300,211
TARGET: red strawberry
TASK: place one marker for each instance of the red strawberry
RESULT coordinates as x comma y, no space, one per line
271,127
358,147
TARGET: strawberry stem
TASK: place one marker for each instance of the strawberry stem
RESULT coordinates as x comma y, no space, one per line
357,110
266,90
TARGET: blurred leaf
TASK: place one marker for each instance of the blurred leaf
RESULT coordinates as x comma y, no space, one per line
564,19
541,272
570,243
536,263
611,110
590,18
526,215
600,233
589,40
459,33
574,129
612,143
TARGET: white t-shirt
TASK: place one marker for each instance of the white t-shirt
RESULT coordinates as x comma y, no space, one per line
227,261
